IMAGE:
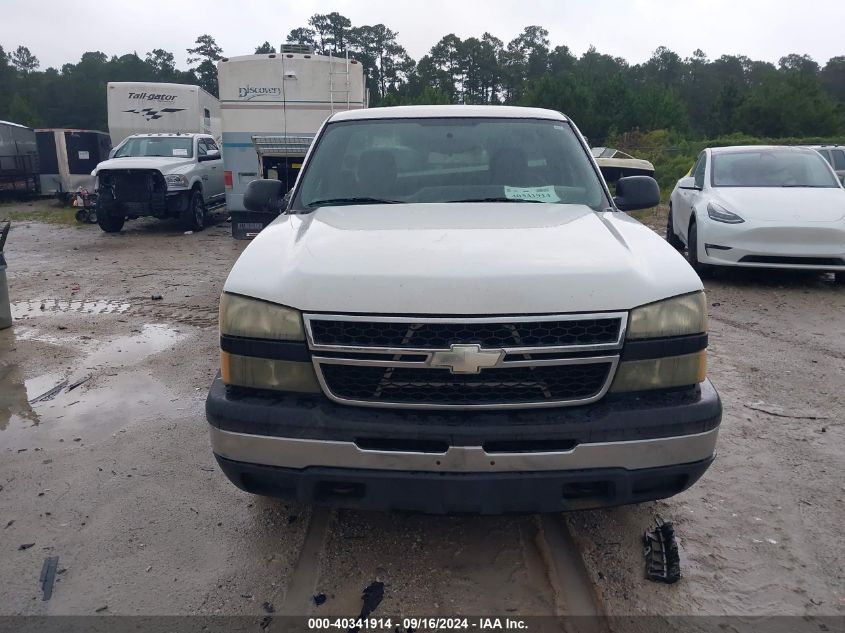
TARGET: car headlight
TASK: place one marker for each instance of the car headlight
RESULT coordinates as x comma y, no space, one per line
176,180
254,318
682,316
720,214
268,323
678,316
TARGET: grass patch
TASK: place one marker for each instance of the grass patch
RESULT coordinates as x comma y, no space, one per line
46,211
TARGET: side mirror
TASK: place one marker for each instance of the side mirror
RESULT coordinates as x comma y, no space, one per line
636,192
213,154
688,182
265,196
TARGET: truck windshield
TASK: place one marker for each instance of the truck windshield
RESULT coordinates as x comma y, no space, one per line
156,146
431,160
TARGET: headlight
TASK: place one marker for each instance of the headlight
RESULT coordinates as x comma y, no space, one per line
678,316
720,214
660,373
266,373
176,180
253,318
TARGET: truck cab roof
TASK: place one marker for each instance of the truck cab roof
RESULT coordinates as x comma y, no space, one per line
448,111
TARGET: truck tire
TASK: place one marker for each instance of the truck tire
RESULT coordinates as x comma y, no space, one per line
109,219
192,217
839,277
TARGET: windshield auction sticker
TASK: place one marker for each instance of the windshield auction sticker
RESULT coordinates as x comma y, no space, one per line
540,194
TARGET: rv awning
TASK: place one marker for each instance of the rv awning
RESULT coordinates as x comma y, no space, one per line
282,145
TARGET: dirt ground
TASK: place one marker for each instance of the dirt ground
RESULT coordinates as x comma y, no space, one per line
114,474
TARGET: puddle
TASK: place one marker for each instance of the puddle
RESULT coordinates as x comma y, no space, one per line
14,404
107,389
33,308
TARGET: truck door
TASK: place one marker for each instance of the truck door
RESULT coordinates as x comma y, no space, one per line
213,168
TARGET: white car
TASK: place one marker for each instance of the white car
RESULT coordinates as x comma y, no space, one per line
453,314
760,206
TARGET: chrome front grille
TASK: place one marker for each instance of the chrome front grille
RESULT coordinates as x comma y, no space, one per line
461,363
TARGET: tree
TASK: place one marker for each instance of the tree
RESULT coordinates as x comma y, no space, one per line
20,111
206,52
23,60
265,49
833,78
386,62
303,36
332,31
162,62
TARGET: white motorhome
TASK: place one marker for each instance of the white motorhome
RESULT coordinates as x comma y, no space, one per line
272,106
147,107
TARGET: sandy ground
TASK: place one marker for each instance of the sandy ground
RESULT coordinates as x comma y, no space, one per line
115,475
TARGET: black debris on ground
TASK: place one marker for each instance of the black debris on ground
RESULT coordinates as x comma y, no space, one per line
156,297
268,607
24,546
660,548
371,598
319,599
48,576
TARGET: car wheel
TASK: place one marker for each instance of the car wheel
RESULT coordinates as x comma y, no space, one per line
703,270
192,218
839,277
109,218
671,237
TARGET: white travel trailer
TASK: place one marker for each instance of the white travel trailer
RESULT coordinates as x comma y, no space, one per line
144,107
272,106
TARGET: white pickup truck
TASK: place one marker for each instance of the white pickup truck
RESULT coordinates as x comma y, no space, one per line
454,314
163,175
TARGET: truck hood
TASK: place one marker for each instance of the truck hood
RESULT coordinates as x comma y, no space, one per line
162,163
460,259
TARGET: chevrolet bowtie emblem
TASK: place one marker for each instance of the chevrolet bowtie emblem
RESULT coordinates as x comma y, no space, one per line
467,359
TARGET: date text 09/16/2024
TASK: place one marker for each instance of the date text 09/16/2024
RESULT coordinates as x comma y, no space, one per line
419,623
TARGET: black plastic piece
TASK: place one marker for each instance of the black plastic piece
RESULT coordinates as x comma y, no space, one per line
464,493
262,348
649,415
662,561
48,576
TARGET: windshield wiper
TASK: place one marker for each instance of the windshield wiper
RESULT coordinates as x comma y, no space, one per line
331,202
495,199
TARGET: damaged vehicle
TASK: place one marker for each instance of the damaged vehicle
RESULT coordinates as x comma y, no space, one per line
162,175
454,315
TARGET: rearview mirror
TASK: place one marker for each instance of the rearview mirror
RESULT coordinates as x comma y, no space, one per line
636,192
687,182
265,196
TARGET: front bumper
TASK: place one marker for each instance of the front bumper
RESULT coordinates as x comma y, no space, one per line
755,245
618,450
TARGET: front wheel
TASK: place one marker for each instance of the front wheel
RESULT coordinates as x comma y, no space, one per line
192,218
703,270
671,237
839,277
109,217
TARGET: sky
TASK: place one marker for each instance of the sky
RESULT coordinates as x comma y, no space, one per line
59,31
